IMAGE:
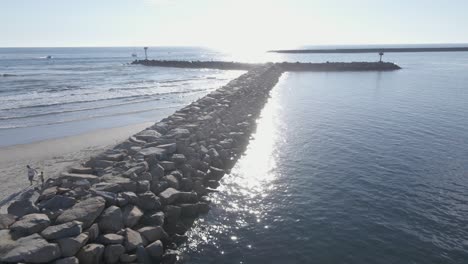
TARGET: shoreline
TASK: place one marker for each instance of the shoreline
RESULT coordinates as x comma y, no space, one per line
146,191
55,155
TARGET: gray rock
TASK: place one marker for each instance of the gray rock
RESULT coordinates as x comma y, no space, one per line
69,246
148,201
157,172
30,224
112,253
172,213
111,220
81,170
22,207
132,239
108,239
110,197
148,135
143,256
179,158
135,170
30,249
155,219
107,187
47,193
155,249
74,177
153,152
69,260
153,233
99,163
126,258
6,220
131,197
216,173
58,202
170,148
189,210
143,186
93,232
167,165
178,133
60,231
91,254
169,196
125,184
172,181
131,215
85,211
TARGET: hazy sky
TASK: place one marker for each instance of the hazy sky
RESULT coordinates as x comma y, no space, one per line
259,24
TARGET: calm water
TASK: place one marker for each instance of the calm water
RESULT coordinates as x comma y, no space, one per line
350,168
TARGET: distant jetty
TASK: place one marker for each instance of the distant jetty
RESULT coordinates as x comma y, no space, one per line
373,50
285,66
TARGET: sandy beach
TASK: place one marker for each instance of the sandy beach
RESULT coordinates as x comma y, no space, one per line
54,156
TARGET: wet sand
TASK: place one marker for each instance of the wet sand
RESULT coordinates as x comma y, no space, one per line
54,156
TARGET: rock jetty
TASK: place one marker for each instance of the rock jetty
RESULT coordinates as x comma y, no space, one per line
285,66
135,202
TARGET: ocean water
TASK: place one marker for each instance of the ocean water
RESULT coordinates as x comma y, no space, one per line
350,168
84,89
343,168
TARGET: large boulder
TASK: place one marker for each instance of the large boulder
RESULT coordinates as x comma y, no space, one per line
58,202
148,135
133,239
60,231
111,220
6,220
142,256
109,239
153,233
30,249
30,224
155,249
127,258
75,177
91,254
148,201
22,207
93,232
112,253
126,185
131,215
85,211
71,245
169,196
69,260
153,152
154,219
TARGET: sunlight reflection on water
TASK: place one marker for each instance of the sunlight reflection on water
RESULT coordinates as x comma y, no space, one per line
239,201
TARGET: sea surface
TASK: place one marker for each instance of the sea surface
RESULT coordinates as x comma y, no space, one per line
344,167
350,168
83,89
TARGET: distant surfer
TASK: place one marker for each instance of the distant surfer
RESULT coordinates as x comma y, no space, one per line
31,173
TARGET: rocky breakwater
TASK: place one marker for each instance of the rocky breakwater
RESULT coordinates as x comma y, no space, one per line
133,203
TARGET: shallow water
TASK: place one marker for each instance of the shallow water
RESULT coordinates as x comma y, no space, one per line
350,168
84,89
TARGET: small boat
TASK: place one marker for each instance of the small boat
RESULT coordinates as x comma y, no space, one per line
134,55
49,57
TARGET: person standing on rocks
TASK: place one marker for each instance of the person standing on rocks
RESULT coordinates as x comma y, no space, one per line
41,177
31,173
